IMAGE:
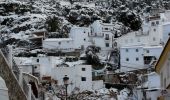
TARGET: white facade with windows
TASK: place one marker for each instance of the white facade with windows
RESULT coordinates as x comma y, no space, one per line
98,34
151,83
155,31
138,57
149,40
80,37
80,76
151,37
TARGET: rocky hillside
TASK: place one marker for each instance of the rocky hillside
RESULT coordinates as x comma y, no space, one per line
19,19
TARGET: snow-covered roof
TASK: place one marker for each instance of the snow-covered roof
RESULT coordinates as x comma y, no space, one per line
64,3
58,39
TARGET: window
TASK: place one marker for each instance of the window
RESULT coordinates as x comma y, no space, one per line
127,50
137,50
84,39
153,23
169,34
106,28
154,30
147,51
137,59
59,43
154,39
157,22
37,60
127,59
83,69
107,37
83,78
107,44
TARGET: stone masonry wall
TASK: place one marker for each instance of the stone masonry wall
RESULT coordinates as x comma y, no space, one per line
14,90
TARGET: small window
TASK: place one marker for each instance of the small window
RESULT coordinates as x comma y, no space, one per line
84,31
147,51
107,37
83,69
169,34
106,29
157,22
137,59
83,78
84,39
59,43
37,60
107,44
154,39
154,30
153,23
137,50
127,50
127,59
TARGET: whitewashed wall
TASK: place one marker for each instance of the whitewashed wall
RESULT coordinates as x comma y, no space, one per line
75,74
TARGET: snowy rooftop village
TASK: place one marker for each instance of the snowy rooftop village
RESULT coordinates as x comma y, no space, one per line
84,50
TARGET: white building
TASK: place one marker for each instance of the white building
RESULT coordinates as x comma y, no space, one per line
62,44
138,57
155,31
80,76
138,48
80,37
102,34
99,34
150,85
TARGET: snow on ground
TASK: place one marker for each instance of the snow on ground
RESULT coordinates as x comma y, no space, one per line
123,94
64,3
